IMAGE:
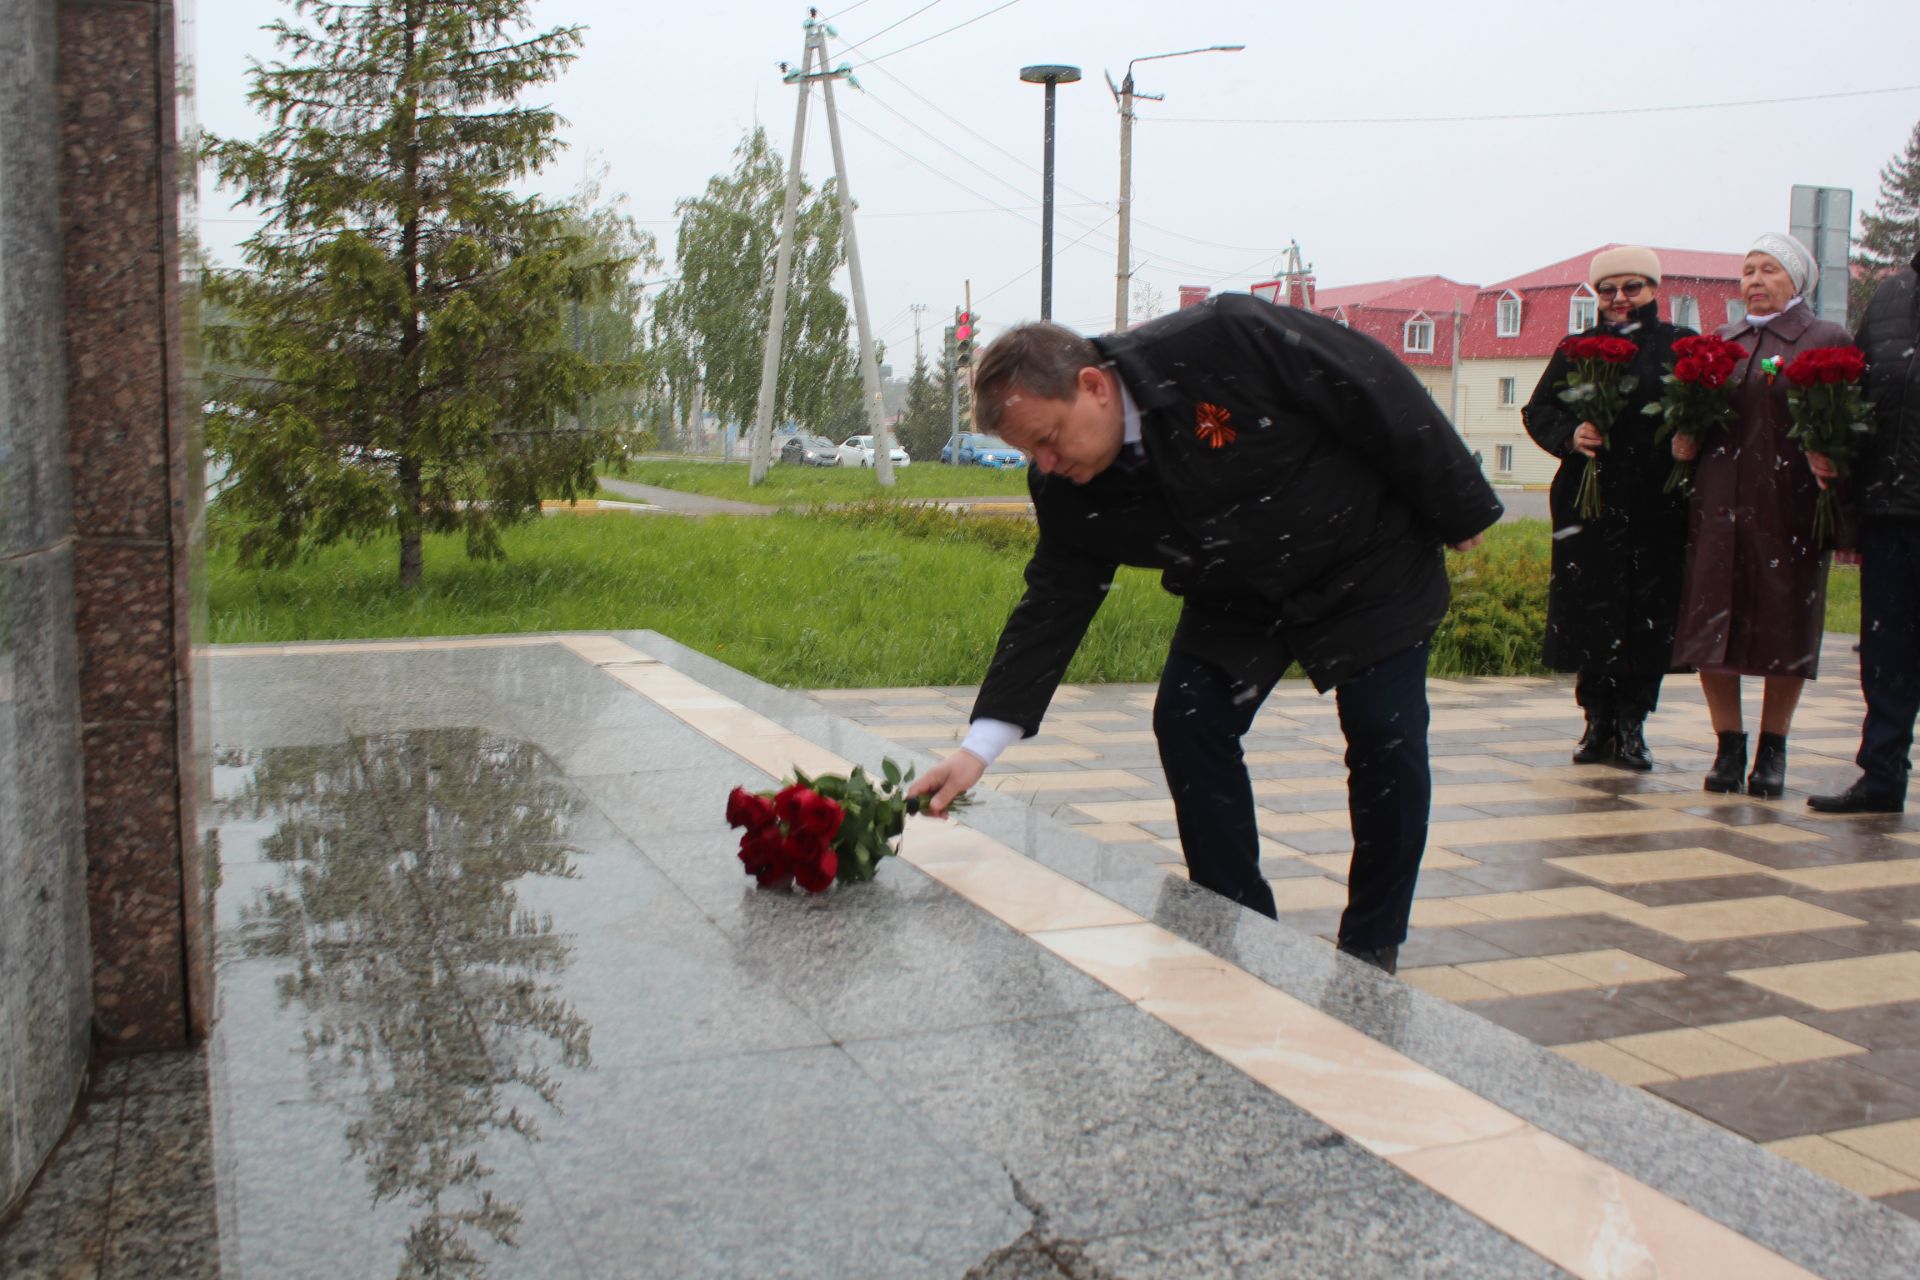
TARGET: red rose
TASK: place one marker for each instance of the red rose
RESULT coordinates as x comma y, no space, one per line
764,853
1689,369
1615,350
748,809
814,862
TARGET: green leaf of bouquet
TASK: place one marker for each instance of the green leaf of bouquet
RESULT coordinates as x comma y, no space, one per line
892,772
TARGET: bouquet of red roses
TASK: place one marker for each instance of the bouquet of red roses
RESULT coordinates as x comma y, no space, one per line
1829,417
816,830
1596,387
1697,397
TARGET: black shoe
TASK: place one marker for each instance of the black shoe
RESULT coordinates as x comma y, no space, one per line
1600,744
1730,763
1859,798
1386,959
1633,752
1769,776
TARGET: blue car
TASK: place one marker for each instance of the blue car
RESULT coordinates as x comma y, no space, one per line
979,450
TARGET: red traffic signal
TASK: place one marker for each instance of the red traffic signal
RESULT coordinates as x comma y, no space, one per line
963,326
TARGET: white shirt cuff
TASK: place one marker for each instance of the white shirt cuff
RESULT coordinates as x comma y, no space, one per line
988,738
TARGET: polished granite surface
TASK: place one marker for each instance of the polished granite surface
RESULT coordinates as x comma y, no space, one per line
495,1000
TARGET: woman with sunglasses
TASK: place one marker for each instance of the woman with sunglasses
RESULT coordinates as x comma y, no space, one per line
1615,588
1756,585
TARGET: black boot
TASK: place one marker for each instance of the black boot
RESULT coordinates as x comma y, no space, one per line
1769,776
1601,742
1633,751
1730,763
1385,959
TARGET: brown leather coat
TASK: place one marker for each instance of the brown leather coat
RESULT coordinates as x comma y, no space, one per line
1754,598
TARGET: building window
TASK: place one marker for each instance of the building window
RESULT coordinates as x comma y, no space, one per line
1509,392
1418,337
1736,311
1509,323
1503,457
1584,311
1686,311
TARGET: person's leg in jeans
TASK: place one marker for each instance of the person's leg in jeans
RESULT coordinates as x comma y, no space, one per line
1199,717
1383,712
1889,652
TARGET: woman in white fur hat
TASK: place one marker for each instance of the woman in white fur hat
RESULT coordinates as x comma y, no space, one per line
1754,600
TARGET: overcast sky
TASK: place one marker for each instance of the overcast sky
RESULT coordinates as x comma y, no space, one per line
1248,150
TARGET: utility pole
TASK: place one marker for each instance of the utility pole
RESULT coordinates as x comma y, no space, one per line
1125,94
917,308
782,272
1052,76
816,51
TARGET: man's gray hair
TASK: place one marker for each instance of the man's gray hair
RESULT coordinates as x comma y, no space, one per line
1040,359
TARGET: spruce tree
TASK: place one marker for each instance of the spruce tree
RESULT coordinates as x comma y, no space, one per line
1890,235
405,310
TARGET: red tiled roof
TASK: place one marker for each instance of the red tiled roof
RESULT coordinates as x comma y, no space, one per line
1690,263
1413,293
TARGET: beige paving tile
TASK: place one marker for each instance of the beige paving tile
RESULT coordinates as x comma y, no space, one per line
1066,780
1443,913
1448,983
1585,1216
1030,752
1307,893
1128,810
1658,866
1737,918
1778,833
1613,1063
1565,826
1614,968
1003,883
1280,824
1545,904
1851,877
1689,1052
1433,860
1515,792
1842,984
1844,1165
1530,976
1478,764
1784,1040
1896,1145
1293,755
923,731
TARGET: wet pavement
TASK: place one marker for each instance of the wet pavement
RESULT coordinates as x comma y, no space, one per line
494,999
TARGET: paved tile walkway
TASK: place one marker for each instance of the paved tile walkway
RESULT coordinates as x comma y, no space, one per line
1749,960
493,998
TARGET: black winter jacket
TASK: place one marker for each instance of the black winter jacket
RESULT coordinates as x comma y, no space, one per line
1301,482
1889,467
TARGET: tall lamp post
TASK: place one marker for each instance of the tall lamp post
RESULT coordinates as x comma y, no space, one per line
1048,75
1124,94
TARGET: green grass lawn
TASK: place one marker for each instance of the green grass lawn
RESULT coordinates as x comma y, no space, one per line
877,595
787,485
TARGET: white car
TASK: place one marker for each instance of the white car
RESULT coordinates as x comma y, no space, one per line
857,451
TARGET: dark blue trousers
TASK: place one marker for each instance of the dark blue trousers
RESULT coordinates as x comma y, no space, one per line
1889,650
1200,716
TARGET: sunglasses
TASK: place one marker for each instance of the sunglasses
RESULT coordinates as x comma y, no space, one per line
1632,289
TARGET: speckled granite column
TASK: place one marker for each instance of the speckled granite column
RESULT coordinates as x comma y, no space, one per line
45,999
135,512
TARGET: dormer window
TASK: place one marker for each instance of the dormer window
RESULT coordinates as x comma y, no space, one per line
1340,318
1509,321
1417,338
1584,311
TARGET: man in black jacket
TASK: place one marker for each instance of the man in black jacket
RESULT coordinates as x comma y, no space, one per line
1294,483
1888,487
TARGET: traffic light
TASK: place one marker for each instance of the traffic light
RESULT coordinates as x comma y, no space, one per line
963,337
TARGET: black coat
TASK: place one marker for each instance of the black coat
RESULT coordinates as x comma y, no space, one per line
1300,485
1887,475
1615,590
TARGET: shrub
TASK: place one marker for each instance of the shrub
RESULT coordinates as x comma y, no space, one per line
1499,612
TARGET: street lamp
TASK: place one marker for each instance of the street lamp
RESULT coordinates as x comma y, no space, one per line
1124,94
1049,75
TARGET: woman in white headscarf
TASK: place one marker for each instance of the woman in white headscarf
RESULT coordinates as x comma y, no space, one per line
1754,598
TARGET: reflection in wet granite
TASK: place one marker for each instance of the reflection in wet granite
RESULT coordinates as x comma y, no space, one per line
426,987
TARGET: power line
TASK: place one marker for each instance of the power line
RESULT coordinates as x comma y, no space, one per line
891,25
1544,115
936,35
844,12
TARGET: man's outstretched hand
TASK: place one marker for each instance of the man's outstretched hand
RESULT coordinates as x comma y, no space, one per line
957,773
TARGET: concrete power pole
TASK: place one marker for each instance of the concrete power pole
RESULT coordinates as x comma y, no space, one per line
782,273
917,308
869,360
